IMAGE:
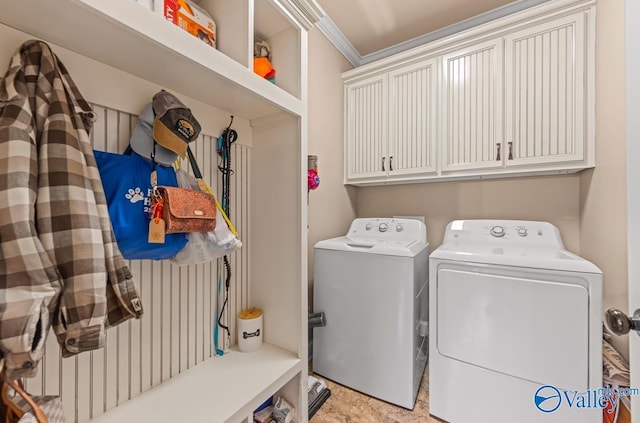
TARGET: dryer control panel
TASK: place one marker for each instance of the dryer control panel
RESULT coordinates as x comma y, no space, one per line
515,232
389,229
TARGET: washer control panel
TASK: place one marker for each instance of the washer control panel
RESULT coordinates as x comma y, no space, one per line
390,229
497,231
384,227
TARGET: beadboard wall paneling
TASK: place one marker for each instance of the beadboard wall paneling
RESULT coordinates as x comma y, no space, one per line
176,330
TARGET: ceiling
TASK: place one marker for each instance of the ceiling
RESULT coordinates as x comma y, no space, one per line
372,29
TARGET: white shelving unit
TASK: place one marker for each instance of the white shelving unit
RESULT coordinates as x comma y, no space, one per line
196,395
129,37
126,36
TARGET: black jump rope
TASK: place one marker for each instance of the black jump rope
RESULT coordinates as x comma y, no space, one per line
225,141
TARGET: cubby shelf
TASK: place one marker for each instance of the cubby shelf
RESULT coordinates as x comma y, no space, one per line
122,34
228,382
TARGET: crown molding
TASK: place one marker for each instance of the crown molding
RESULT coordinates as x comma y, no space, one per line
306,12
338,39
333,33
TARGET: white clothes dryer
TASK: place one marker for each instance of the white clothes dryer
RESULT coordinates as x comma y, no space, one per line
516,333
372,286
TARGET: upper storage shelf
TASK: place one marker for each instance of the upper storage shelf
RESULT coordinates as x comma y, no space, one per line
122,34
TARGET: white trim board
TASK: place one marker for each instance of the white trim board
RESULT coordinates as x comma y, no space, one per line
338,39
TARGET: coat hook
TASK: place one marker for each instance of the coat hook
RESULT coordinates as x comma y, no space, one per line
230,123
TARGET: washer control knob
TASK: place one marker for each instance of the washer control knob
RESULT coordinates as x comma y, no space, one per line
368,226
497,231
383,227
399,227
522,232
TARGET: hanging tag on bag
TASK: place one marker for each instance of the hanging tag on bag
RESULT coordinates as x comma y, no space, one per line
157,225
156,231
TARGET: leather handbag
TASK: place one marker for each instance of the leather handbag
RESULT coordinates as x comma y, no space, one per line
187,210
205,246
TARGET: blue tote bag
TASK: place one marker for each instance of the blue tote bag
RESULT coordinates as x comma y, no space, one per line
127,186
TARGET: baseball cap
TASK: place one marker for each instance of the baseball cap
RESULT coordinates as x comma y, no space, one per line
174,126
142,139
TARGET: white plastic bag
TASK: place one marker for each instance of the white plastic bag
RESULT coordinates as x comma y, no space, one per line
205,246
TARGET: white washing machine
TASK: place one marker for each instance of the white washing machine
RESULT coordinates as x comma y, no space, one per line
372,286
516,333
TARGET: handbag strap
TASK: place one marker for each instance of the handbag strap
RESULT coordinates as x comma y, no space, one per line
37,411
154,172
196,172
202,184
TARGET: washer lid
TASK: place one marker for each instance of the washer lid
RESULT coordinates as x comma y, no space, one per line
510,243
385,236
372,246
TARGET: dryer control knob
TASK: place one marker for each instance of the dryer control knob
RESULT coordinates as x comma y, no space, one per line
522,231
383,227
497,231
368,226
399,228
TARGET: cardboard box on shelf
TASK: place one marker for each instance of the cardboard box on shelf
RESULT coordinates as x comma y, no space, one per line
188,16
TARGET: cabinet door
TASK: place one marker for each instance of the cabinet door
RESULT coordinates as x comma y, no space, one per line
545,92
412,119
366,128
472,107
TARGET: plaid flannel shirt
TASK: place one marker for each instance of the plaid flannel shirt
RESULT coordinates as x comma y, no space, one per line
60,265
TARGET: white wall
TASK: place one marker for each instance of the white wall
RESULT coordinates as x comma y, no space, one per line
603,196
551,198
332,206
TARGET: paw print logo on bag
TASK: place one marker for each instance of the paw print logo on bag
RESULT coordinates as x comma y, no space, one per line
134,195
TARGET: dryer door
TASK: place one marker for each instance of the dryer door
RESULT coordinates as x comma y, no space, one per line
527,324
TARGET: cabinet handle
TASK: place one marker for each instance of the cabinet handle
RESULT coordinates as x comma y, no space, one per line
390,163
510,151
499,145
383,159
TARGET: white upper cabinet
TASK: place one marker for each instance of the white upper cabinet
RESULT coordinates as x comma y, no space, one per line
512,97
390,124
472,107
366,128
412,120
545,94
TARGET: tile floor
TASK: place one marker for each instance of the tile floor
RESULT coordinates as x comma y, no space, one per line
348,406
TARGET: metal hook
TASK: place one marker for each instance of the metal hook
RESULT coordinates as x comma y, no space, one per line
230,123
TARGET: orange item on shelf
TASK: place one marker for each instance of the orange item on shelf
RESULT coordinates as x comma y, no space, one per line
262,66
189,17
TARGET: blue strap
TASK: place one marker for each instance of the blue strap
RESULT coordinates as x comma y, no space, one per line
215,327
